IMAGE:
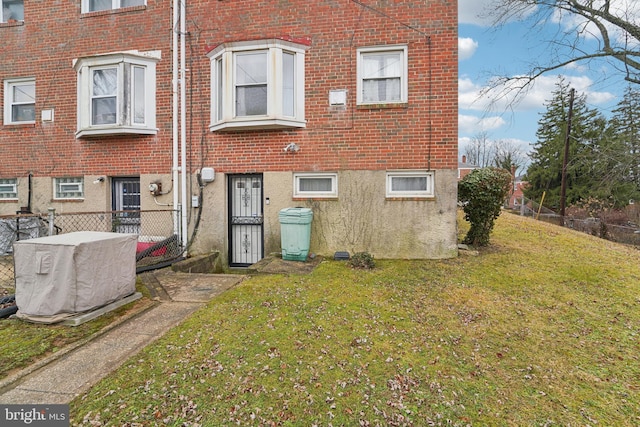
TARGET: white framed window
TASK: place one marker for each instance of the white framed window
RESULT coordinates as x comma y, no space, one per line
8,188
20,101
315,185
12,9
410,184
117,94
68,188
97,5
257,84
382,75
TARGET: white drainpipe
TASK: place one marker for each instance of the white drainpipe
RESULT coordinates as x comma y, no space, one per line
174,115
183,122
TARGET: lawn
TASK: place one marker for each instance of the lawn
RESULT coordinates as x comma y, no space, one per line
541,328
24,344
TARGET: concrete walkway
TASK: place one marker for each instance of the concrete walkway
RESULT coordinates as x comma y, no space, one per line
70,373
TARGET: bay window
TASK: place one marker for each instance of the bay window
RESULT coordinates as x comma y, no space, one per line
257,84
116,94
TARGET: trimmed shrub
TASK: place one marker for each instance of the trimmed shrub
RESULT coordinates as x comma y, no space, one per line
482,194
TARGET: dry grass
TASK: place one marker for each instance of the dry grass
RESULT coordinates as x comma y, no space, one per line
542,328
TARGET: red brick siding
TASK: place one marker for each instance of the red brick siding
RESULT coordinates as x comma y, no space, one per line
420,134
53,34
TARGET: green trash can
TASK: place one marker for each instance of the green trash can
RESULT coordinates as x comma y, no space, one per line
295,233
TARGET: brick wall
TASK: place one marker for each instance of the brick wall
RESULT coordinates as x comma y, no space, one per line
419,134
53,34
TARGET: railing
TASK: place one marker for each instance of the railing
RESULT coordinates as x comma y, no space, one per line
158,238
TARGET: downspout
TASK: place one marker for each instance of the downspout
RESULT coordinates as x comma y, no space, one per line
183,127
174,115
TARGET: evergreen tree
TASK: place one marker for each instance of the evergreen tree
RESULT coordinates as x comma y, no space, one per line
625,125
588,131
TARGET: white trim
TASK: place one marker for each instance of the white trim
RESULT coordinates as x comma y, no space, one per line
429,190
9,102
297,192
404,84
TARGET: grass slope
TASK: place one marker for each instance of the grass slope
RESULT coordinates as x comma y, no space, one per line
542,328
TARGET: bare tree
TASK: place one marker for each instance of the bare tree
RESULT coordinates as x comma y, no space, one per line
479,150
506,154
615,24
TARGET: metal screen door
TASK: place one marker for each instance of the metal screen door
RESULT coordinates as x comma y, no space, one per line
245,220
126,203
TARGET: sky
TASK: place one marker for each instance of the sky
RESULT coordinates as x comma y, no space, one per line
487,51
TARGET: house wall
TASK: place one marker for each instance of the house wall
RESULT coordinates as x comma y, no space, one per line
44,47
359,143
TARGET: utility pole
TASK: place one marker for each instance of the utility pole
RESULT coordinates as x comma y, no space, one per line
563,187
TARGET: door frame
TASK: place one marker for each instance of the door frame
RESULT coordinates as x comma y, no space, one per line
246,221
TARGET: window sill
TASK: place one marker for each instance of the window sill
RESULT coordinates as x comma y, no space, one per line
112,11
257,124
384,106
20,125
411,199
11,23
67,200
314,199
113,131
8,200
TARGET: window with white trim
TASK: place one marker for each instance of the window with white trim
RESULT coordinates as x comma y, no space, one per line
117,94
382,75
8,188
12,9
19,101
68,188
315,185
97,5
410,184
257,84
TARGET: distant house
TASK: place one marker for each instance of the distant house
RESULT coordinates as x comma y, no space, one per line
515,198
229,112
465,168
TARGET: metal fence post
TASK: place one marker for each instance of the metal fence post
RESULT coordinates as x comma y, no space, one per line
52,212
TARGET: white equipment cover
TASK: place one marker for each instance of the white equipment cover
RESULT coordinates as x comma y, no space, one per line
74,272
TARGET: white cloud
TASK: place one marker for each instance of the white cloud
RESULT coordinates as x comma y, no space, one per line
473,124
474,12
508,96
466,48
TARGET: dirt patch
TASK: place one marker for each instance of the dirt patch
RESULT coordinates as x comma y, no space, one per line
277,265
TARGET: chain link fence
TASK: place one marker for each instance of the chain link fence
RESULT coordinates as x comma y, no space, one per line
157,231
627,234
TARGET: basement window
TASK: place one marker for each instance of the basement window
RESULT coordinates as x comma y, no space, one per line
315,185
257,85
8,188
68,188
117,94
410,184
